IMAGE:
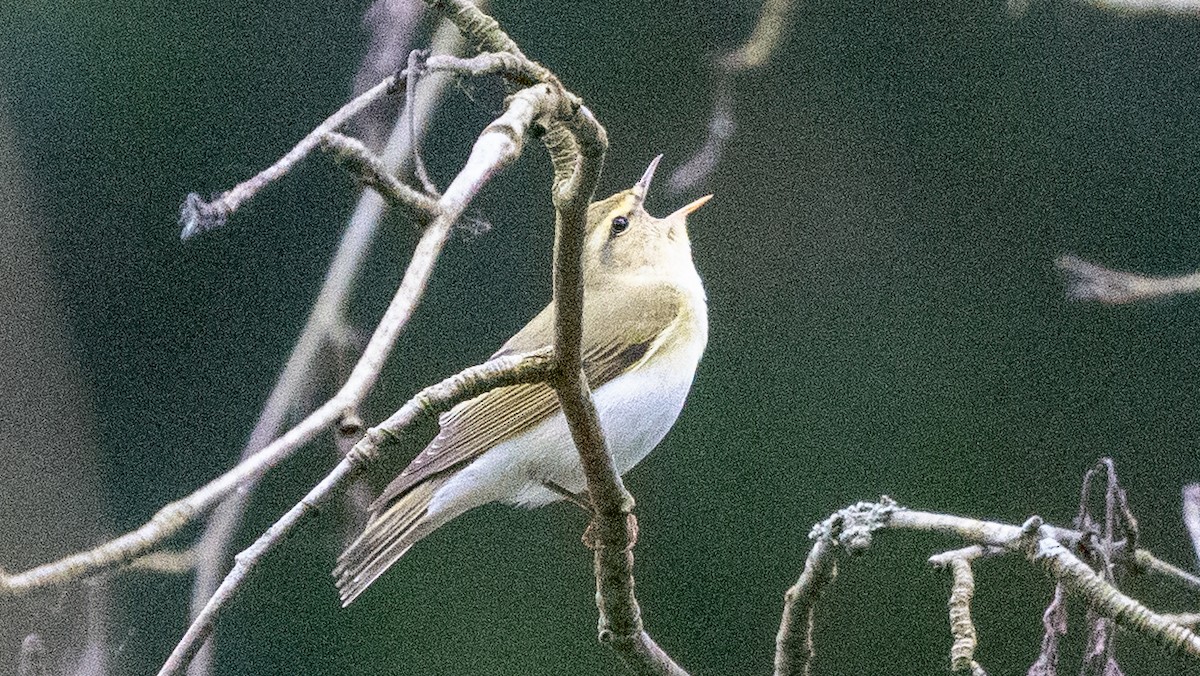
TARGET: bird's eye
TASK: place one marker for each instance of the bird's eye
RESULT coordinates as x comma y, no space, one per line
619,225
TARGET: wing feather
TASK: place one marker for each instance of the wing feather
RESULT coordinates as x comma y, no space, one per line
616,338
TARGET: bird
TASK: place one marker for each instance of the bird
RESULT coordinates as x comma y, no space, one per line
645,328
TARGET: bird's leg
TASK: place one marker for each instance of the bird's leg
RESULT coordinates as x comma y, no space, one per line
578,499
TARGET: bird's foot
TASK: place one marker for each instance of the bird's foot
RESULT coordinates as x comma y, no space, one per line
580,500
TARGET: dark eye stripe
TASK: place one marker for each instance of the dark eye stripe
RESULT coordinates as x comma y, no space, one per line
619,225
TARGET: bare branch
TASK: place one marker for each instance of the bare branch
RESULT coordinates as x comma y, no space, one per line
370,169
1050,547
1054,627
577,143
498,145
1107,600
1189,620
1145,562
794,649
516,69
165,562
197,216
174,516
325,320
1129,8
393,26
418,163
429,402
33,660
485,33
962,590
969,553
577,149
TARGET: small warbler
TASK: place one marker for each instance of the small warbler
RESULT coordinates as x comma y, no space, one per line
645,325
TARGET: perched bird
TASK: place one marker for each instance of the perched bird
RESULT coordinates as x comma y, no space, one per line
645,325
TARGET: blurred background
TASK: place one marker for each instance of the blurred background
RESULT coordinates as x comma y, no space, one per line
885,318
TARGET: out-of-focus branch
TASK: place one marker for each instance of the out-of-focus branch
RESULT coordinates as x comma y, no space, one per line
165,562
170,519
326,320
1108,601
393,26
1175,8
498,145
765,40
33,660
1191,516
174,516
52,494
1091,282
434,399
1054,627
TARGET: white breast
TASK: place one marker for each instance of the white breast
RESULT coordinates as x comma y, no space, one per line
636,409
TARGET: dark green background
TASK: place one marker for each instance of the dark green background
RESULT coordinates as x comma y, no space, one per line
884,314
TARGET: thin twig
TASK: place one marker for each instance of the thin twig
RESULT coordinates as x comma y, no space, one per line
197,216
173,517
1054,627
1107,600
325,319
415,58
370,169
497,146
1143,561
1049,546
962,591
794,648
430,401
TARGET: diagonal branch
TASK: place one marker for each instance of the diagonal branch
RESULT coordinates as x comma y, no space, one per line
499,144
198,216
173,517
427,403
324,320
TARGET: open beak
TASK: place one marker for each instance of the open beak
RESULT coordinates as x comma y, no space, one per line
689,208
642,187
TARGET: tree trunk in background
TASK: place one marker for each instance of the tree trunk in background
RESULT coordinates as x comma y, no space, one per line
50,481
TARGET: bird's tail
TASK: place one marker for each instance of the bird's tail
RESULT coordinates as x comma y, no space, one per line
389,533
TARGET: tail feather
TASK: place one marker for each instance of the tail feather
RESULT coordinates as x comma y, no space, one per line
390,532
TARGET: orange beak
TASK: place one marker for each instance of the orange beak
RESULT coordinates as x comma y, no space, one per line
689,208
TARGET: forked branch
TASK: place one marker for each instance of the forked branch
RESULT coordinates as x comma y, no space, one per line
1051,548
